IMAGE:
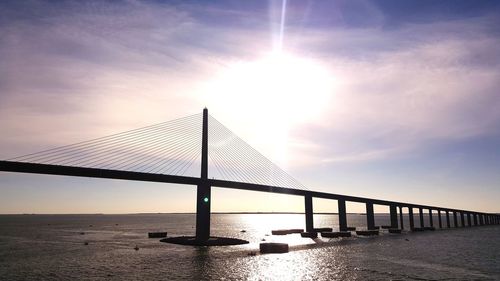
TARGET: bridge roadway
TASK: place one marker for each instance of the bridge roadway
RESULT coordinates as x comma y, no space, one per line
473,218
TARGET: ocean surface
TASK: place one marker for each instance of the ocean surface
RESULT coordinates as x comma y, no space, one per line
52,247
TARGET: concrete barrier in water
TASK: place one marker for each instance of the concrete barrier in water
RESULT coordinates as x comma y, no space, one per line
269,247
329,234
367,232
309,234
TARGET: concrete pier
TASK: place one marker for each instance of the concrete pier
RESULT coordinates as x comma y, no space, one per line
448,219
474,216
469,222
462,219
439,219
411,218
455,220
431,223
370,216
394,216
342,215
309,213
401,217
421,215
203,212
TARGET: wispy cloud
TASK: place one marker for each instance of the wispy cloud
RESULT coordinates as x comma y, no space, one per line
109,66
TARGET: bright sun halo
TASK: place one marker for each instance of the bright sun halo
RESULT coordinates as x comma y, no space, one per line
278,85
276,92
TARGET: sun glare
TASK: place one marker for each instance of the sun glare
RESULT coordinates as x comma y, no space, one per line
277,91
278,85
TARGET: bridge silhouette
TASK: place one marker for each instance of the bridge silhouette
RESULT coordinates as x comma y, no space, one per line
175,151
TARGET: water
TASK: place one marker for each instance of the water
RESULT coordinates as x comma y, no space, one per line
52,247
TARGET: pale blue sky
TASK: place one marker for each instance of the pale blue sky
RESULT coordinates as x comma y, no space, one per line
398,99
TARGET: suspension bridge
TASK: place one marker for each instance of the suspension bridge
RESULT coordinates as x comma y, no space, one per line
198,150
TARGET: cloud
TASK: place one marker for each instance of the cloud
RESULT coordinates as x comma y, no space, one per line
402,99
108,67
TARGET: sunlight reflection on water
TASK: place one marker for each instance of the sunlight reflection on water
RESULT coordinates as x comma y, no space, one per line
52,248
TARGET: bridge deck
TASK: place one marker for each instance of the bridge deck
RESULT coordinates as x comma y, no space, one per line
35,168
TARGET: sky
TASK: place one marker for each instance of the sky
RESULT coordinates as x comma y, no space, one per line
394,100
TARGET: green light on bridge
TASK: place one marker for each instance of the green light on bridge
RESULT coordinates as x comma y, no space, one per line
205,199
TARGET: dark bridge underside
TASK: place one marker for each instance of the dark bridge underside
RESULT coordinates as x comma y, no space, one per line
22,167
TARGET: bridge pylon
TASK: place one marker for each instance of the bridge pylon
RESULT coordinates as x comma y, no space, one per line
203,192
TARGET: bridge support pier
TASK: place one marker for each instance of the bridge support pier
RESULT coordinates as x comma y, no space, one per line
439,219
394,216
309,213
469,222
474,216
455,220
411,218
421,215
462,219
431,223
448,219
203,212
401,216
342,215
370,216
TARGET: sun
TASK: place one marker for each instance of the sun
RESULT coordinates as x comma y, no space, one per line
278,85
277,91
